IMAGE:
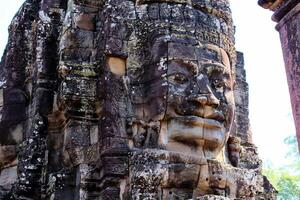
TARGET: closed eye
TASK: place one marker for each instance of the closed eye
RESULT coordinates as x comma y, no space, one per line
178,78
219,83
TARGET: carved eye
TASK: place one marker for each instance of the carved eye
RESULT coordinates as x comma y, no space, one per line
178,78
218,84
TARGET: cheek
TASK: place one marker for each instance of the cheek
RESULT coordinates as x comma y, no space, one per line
178,89
230,113
229,105
220,90
229,97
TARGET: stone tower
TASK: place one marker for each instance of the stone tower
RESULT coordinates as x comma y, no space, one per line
124,99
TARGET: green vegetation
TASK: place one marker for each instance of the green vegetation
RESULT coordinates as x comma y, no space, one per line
286,179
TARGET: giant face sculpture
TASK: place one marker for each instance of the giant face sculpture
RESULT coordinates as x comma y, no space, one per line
200,102
144,104
189,89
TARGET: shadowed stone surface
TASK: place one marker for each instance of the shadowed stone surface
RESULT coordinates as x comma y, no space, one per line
124,99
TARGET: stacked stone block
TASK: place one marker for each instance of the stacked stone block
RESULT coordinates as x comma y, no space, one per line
125,99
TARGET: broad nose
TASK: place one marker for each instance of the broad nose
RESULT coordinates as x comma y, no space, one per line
205,99
202,93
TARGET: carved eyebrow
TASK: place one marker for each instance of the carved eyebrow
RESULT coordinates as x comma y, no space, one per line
191,65
217,67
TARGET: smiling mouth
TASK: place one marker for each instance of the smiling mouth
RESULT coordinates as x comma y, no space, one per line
196,130
199,122
206,113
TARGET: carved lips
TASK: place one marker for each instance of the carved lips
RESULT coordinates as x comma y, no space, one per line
197,131
199,122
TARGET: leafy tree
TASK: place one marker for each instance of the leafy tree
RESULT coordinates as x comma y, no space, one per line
286,179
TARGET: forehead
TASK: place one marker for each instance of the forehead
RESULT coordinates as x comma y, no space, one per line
189,54
214,55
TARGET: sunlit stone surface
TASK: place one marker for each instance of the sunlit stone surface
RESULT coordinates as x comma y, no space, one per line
125,99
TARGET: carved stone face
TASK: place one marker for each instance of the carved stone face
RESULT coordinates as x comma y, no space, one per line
200,101
192,86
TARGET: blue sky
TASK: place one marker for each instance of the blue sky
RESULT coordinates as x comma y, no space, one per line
270,111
